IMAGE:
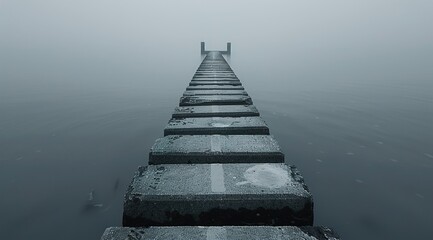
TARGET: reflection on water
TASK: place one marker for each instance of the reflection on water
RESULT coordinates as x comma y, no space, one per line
366,164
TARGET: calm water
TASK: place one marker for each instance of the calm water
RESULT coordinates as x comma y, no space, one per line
82,99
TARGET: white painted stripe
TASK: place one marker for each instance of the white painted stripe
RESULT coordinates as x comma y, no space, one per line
215,143
216,233
217,178
214,108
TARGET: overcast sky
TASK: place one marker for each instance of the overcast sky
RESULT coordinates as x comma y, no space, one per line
308,35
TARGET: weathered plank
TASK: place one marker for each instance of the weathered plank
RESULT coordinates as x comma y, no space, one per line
221,233
215,87
217,125
214,92
233,83
217,194
203,100
176,149
216,111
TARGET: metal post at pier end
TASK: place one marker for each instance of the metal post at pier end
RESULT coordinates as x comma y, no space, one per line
203,51
229,48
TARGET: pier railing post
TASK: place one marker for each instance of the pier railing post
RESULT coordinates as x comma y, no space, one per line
203,51
229,48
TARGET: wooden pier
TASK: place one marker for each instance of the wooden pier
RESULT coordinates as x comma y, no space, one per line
217,173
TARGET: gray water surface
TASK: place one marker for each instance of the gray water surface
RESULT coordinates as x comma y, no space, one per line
87,87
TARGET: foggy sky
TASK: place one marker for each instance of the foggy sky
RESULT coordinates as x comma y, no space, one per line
137,36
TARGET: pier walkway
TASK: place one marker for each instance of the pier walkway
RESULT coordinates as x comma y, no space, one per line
217,173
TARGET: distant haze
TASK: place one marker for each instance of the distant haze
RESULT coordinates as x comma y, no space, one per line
87,86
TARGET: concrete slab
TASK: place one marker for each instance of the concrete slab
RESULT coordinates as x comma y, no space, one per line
215,87
206,63
216,111
233,83
213,67
219,79
215,92
203,100
206,68
213,71
217,194
214,74
217,125
214,79
222,233
175,149
201,74
211,63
